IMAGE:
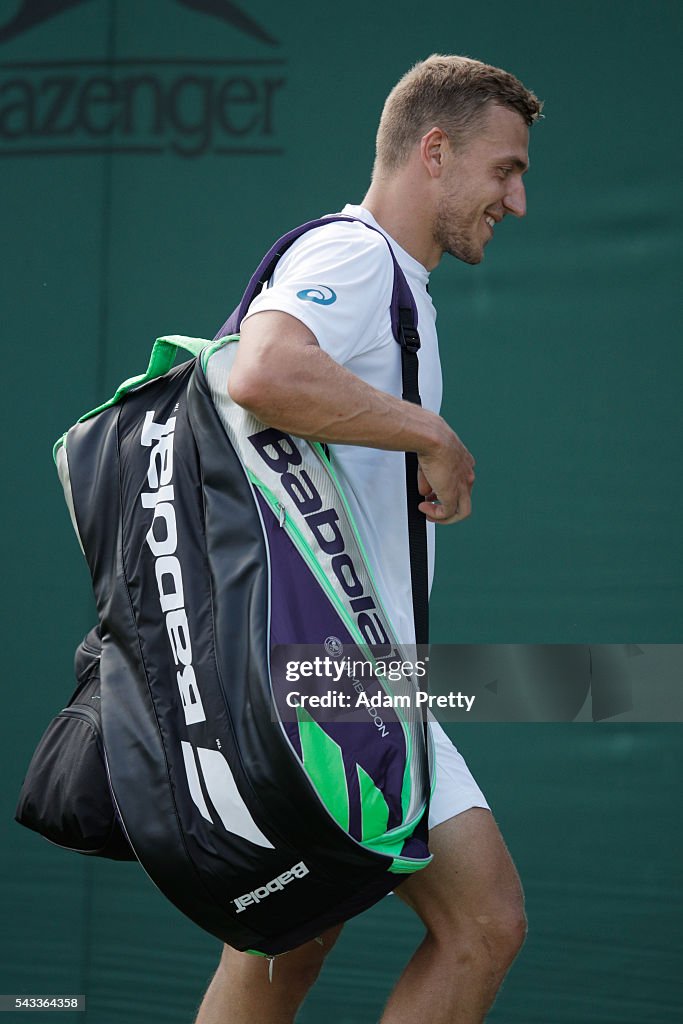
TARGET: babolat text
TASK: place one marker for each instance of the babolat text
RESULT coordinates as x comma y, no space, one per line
261,892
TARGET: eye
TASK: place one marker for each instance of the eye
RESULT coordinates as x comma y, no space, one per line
503,172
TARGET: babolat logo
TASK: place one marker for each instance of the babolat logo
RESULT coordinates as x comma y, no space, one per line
213,774
248,899
162,540
188,105
280,453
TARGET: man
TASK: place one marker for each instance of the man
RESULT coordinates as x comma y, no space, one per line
317,359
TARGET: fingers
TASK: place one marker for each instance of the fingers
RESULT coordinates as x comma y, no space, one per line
436,512
445,479
423,485
452,504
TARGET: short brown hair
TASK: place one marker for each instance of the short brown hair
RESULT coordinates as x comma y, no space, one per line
447,92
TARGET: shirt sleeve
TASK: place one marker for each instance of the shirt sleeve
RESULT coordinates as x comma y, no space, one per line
338,281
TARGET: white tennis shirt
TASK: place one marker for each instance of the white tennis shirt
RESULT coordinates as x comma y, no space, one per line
338,281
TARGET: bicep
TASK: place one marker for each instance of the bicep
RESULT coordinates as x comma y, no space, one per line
338,281
270,330
271,345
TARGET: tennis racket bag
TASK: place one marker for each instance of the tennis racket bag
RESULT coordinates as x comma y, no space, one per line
222,552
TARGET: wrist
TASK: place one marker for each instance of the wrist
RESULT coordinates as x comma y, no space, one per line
436,435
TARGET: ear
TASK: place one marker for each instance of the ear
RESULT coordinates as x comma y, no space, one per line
433,147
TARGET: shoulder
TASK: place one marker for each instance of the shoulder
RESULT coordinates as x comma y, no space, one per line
338,280
341,243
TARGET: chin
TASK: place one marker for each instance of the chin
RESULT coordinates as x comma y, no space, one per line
467,256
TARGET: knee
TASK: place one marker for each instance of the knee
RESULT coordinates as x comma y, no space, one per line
501,929
494,932
509,931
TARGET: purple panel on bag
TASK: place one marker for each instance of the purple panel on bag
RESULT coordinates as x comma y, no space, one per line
415,845
303,618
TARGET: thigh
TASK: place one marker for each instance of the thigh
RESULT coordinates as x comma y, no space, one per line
455,788
471,879
303,959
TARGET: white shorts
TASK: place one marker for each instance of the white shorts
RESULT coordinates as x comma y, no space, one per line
455,790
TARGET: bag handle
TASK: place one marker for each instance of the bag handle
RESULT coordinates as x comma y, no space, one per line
161,360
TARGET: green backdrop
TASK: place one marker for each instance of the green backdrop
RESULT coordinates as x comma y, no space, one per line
149,154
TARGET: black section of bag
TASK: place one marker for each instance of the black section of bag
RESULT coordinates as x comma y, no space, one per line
66,796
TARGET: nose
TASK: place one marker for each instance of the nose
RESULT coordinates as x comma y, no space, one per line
515,199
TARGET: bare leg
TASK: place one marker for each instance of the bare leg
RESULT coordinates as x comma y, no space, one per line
470,900
241,993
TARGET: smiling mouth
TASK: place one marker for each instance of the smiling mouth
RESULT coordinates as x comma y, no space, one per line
490,221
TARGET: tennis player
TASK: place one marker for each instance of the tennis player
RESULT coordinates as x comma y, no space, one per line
317,359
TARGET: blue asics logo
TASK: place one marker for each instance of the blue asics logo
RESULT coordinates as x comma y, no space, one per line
323,295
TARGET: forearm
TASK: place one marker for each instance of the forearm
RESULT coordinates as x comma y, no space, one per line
306,393
284,378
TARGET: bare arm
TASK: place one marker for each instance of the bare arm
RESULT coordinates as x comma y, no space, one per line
284,378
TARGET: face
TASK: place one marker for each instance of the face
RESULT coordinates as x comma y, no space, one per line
481,183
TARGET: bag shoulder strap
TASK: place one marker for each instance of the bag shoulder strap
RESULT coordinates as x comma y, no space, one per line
403,312
401,296
417,522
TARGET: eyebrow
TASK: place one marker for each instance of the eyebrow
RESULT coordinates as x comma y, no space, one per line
521,165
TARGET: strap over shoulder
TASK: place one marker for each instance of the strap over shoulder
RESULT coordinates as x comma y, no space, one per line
403,311
403,308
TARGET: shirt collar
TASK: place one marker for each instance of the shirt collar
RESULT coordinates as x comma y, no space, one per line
408,262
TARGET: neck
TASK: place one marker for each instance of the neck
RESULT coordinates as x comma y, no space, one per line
404,214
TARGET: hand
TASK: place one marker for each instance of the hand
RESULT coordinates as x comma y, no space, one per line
445,478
